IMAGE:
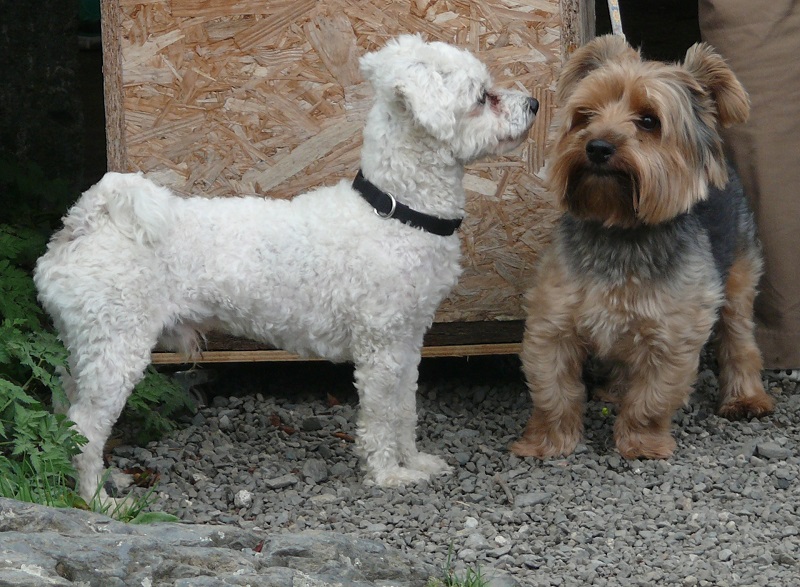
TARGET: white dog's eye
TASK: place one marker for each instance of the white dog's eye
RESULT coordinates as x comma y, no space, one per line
482,99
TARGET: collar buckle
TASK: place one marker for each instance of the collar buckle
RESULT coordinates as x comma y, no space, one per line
391,211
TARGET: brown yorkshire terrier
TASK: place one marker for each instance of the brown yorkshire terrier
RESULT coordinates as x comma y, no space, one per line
656,245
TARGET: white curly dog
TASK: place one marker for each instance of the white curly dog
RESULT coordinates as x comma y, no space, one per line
322,274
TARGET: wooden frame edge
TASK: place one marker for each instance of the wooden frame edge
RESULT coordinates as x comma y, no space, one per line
463,350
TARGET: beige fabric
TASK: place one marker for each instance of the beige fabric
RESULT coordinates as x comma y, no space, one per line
761,42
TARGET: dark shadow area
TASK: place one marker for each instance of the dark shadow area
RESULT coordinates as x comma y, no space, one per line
663,29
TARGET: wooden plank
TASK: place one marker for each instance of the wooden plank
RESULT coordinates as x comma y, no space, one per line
578,26
470,350
116,152
451,334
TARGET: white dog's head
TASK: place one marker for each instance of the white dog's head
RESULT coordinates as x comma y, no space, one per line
448,94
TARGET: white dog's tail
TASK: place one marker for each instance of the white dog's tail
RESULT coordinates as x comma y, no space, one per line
137,207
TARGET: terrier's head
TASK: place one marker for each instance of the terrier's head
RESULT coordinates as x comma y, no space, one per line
637,141
447,94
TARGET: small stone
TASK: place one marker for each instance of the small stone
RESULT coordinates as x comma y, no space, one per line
281,482
225,423
476,541
199,478
772,450
500,551
311,424
468,555
530,499
462,458
315,469
376,528
243,499
341,470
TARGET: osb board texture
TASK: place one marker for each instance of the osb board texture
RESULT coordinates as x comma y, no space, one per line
224,97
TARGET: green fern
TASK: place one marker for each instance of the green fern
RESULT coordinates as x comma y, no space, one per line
154,404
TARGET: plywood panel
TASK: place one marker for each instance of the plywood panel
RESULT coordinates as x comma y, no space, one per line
222,97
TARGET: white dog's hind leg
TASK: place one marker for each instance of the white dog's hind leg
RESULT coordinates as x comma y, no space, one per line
104,382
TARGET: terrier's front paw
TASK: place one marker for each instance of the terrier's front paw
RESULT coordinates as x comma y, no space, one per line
543,445
648,444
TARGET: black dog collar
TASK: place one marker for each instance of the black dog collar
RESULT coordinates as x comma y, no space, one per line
386,206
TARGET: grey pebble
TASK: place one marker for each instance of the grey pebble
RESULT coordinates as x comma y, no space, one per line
531,499
772,450
280,482
316,470
311,424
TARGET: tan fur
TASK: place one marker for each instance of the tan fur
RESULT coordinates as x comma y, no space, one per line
741,390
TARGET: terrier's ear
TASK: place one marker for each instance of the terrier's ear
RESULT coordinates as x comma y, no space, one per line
591,56
714,75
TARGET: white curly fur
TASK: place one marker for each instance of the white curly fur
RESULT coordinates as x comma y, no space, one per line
320,275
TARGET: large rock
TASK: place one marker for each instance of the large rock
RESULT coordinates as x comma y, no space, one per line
45,546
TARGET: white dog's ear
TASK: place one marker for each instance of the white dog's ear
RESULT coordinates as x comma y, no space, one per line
401,71
432,105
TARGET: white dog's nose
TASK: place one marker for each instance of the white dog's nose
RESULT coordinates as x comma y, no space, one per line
533,105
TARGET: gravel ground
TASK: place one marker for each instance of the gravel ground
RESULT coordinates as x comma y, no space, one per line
273,451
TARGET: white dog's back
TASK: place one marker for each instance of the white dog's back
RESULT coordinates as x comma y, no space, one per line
272,270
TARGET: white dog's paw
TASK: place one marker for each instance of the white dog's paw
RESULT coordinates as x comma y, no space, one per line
427,463
398,476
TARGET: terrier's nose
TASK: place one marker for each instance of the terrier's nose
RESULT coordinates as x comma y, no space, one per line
599,151
533,105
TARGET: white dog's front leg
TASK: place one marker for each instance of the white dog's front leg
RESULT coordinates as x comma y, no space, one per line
406,425
386,383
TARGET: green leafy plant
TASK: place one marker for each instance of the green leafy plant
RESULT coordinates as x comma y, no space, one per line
132,509
470,577
36,446
154,405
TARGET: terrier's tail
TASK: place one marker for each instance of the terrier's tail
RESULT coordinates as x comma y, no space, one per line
137,207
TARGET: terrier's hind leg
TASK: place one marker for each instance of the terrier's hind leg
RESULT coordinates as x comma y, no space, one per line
741,390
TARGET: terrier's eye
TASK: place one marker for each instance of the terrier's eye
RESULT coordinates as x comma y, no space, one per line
648,122
581,118
482,99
